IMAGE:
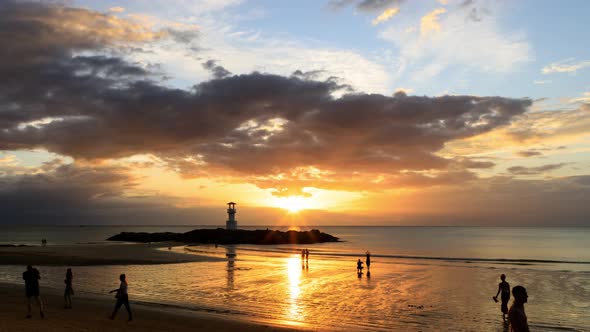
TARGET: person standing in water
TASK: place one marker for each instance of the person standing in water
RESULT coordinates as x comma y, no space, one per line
516,314
69,291
122,298
504,288
31,277
359,266
368,261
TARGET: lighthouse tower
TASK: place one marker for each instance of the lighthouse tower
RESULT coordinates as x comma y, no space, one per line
231,223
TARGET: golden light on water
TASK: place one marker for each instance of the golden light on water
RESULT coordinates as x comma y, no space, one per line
294,275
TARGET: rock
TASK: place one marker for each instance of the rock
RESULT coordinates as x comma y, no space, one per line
224,236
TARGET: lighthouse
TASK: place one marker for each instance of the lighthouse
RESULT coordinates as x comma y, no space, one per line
231,223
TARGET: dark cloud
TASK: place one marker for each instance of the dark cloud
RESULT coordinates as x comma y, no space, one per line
184,36
521,170
365,5
529,153
467,3
499,201
63,191
83,194
217,71
471,163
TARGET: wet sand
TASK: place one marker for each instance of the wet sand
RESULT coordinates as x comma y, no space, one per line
91,314
96,254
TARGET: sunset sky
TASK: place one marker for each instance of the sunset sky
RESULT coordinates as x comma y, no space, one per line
308,112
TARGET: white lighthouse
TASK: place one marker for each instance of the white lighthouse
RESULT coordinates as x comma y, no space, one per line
231,223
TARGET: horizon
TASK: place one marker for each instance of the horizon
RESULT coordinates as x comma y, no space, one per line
355,113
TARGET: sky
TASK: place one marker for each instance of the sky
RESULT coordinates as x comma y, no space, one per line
323,112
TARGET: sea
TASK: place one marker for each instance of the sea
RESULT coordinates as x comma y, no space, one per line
421,278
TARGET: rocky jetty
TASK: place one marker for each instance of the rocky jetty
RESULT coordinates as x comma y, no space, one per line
224,236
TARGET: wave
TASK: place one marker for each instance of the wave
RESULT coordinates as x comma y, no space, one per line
329,253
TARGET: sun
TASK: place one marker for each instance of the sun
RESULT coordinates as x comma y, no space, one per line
293,204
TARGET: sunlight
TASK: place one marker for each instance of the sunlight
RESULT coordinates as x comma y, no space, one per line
293,204
294,275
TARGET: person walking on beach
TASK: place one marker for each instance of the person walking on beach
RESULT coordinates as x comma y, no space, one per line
302,255
359,266
516,314
504,288
122,298
368,261
306,255
31,277
69,291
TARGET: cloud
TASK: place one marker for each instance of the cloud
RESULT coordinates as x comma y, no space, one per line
426,53
542,81
102,106
585,98
565,66
430,22
521,170
365,5
216,70
497,201
551,125
385,16
86,194
529,153
116,9
405,91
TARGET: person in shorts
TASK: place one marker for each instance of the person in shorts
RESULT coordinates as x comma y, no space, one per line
122,298
504,288
31,277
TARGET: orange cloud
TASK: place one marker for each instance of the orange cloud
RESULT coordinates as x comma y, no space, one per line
386,15
430,22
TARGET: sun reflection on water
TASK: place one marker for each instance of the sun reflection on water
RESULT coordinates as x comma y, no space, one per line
294,276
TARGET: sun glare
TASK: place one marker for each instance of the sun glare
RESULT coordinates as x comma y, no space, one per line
293,204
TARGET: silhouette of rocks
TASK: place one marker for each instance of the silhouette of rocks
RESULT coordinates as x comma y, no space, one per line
224,236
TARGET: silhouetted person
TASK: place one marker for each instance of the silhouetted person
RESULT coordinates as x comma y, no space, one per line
69,291
306,254
31,277
368,261
359,266
302,254
504,288
516,314
122,298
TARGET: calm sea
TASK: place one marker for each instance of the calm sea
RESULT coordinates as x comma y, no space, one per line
422,278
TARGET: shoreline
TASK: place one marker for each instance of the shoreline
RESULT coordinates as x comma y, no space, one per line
97,254
91,314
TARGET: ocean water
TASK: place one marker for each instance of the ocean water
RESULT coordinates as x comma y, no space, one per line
422,278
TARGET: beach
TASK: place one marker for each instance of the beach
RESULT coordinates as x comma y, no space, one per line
91,314
97,254
422,279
